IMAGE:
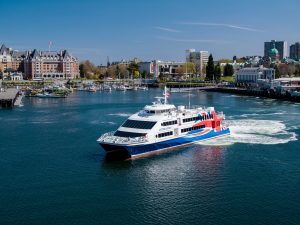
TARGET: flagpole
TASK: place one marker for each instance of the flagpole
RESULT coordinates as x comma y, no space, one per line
166,94
49,46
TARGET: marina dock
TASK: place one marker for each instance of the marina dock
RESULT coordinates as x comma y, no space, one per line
8,97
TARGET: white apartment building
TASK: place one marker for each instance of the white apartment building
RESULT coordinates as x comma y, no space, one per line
199,58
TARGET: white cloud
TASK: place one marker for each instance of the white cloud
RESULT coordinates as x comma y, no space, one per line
233,26
191,40
167,29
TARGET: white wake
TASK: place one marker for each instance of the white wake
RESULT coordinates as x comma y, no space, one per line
120,114
265,132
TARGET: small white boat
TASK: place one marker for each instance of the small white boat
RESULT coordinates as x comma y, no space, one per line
106,88
91,89
121,88
48,95
145,88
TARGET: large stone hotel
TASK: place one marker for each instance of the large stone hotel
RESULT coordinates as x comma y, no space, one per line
39,64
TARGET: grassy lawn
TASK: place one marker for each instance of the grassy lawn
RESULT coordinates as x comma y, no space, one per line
228,79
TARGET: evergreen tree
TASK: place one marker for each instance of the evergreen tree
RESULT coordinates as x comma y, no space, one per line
210,68
217,72
118,72
228,70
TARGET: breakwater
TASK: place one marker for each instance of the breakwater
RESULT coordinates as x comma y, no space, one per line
8,97
258,93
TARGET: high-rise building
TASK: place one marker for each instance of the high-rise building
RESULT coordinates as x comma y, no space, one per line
199,58
295,51
281,46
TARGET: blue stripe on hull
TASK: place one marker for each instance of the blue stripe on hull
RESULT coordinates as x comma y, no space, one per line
142,149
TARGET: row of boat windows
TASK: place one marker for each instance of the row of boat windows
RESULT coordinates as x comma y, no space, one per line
170,133
157,111
192,128
168,123
165,134
139,124
205,117
128,134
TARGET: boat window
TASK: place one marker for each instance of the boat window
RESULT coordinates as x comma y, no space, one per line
199,117
138,124
168,123
128,134
192,128
164,134
192,119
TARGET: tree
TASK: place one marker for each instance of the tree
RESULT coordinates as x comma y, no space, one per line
210,68
123,71
277,72
225,61
228,70
297,71
86,69
217,72
118,71
144,74
133,69
186,68
112,71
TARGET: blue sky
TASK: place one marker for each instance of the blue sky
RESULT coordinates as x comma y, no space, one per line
148,29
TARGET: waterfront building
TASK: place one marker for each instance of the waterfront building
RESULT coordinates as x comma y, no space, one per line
166,68
199,58
286,84
281,46
5,58
254,75
126,62
51,64
147,67
295,51
39,64
157,68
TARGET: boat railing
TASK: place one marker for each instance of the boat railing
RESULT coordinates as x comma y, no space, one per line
220,115
110,138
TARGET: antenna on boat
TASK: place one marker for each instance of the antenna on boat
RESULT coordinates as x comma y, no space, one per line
165,94
190,86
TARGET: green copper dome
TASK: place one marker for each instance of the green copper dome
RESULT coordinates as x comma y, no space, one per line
273,51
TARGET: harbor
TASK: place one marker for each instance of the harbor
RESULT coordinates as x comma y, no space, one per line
149,112
56,154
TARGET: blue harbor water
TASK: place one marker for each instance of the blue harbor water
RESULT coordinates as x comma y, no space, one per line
53,172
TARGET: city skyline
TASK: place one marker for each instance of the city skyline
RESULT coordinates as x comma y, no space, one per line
148,30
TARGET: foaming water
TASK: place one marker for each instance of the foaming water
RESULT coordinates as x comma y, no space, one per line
264,132
120,114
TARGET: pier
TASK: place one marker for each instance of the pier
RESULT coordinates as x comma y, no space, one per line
257,93
8,97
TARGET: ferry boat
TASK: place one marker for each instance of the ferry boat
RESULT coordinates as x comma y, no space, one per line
162,126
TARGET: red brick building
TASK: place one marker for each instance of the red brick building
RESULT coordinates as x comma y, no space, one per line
40,64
